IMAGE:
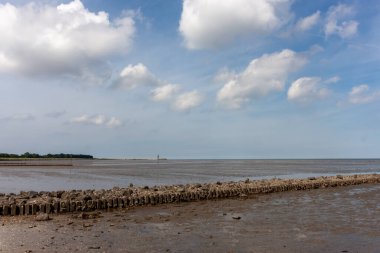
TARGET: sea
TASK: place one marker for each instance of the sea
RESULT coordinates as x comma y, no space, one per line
53,175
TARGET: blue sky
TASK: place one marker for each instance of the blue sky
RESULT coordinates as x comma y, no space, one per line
191,79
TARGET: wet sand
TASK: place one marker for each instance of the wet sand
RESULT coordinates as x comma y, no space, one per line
343,219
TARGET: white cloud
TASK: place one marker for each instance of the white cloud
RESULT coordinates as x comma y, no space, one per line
212,23
361,95
86,119
113,122
308,22
19,117
98,120
134,76
262,76
224,75
306,90
333,79
187,101
164,92
336,22
67,39
315,49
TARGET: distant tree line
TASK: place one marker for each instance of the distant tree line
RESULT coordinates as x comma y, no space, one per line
34,155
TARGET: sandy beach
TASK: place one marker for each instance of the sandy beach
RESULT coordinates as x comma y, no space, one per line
342,219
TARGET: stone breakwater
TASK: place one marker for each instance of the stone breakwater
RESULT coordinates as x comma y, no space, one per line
31,203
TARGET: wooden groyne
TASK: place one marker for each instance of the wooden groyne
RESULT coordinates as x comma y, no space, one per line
31,203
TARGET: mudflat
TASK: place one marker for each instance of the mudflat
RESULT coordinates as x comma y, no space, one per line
343,219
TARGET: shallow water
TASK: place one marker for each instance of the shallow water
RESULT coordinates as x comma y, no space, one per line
96,174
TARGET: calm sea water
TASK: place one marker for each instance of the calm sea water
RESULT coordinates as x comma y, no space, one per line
97,174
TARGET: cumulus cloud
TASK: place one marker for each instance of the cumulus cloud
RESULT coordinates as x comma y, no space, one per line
262,76
134,76
361,94
187,101
213,23
97,120
307,89
164,92
337,23
333,79
224,75
308,22
67,39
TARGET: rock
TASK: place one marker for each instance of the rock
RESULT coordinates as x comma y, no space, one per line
339,176
32,194
93,247
87,197
235,217
83,216
42,217
41,193
180,190
127,192
59,194
311,178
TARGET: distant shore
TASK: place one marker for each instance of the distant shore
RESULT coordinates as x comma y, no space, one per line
28,155
30,203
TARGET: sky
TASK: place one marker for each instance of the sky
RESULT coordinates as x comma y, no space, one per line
191,78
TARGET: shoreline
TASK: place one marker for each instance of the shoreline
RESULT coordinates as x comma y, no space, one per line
31,202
